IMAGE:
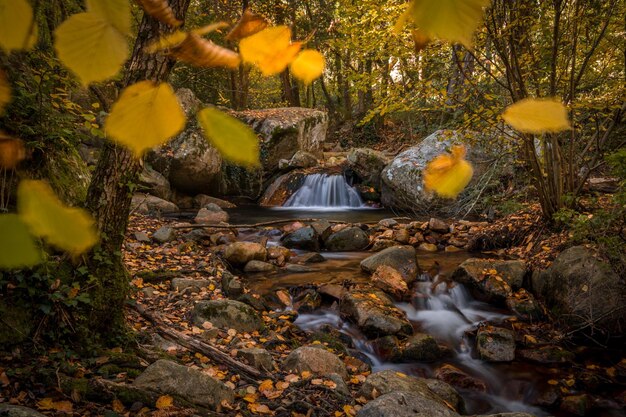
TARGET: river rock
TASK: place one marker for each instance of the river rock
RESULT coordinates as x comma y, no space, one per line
310,258
428,247
316,360
384,382
152,205
367,164
401,236
401,258
406,404
507,415
349,239
202,200
496,344
282,188
388,223
382,244
305,238
457,378
258,358
164,234
525,306
211,214
446,392
299,269
8,410
154,183
387,348
546,355
278,252
231,285
491,280
421,347
438,226
302,159
240,253
580,289
375,314
194,285
323,228
307,301
170,378
226,314
390,280
258,266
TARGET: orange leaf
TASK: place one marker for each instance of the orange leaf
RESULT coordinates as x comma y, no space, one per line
248,25
203,53
164,401
161,11
12,151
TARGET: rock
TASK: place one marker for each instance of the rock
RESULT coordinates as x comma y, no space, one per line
457,378
311,258
231,285
142,237
282,188
346,240
384,382
341,387
524,305
227,314
278,252
401,180
240,253
302,159
438,226
254,301
203,200
323,228
258,358
8,410
149,204
195,285
546,355
307,301
401,236
580,289
258,266
447,393
575,405
152,182
333,290
390,280
387,348
427,247
170,378
388,223
421,347
316,360
405,404
375,314
496,344
298,269
507,415
164,234
211,214
283,164
305,238
367,164
382,244
491,280
401,258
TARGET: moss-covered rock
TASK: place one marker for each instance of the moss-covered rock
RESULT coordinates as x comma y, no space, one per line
227,314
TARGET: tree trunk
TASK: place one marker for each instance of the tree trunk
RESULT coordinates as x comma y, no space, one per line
111,189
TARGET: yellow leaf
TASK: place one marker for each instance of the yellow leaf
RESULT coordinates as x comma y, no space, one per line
116,12
166,42
160,10
91,47
204,53
235,140
553,382
63,406
17,247
45,404
537,116
145,115
259,408
266,385
448,174
164,401
270,49
308,66
248,25
70,229
451,20
5,91
12,151
16,23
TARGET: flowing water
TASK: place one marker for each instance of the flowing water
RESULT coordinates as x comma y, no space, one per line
322,191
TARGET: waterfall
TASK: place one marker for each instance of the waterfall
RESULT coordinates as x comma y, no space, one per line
325,191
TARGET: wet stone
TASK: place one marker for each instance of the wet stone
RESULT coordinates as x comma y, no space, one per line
406,404
402,258
457,378
525,306
438,226
310,258
496,344
546,355
258,266
421,347
375,314
390,280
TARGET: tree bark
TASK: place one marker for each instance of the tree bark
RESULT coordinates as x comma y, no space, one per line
110,191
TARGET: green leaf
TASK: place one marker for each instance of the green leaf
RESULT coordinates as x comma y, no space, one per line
234,139
17,247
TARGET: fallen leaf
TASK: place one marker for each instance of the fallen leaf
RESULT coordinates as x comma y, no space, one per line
164,401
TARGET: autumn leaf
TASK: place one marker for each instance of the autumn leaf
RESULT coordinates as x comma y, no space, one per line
12,151
270,49
116,12
450,20
144,116
5,91
259,408
235,140
92,47
17,247
161,11
537,116
16,24
204,53
248,25
68,228
164,401
448,174
308,66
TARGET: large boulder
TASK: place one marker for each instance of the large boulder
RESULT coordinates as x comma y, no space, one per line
170,378
402,183
384,382
282,188
390,281
375,314
406,404
303,159
149,204
240,253
8,410
305,238
496,344
368,165
227,314
583,292
153,182
211,214
316,360
490,279
348,239
401,258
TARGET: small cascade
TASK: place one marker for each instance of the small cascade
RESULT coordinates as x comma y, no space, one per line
325,191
